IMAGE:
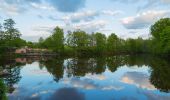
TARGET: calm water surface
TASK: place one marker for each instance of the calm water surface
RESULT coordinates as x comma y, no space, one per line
109,78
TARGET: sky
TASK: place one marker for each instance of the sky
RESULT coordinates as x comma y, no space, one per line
125,18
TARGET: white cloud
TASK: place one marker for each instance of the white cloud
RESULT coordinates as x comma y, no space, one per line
42,6
45,29
92,26
89,15
89,27
146,3
77,17
15,7
111,13
11,9
166,1
144,19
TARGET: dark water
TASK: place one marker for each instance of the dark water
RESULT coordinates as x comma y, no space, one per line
107,78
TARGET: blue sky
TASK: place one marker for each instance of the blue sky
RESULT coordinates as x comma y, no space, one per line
125,18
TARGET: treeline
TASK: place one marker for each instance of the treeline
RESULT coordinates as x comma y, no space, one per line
81,43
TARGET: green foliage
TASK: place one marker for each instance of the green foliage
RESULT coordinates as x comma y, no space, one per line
10,36
10,32
78,39
100,42
161,36
81,43
85,43
55,42
158,28
2,90
33,45
165,40
112,43
58,39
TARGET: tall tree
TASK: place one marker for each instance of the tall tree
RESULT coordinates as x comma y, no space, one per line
112,43
10,32
165,40
100,42
160,32
58,39
1,33
78,39
41,42
159,26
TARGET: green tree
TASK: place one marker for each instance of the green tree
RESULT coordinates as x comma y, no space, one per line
9,36
160,32
158,27
58,39
165,40
131,45
10,32
41,42
2,90
1,35
80,39
112,43
100,42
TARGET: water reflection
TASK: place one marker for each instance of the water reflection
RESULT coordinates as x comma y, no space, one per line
75,77
139,79
67,94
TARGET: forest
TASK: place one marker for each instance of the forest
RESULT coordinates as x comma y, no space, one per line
79,42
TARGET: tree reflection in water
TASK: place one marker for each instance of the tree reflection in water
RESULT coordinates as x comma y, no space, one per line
79,67
13,76
160,74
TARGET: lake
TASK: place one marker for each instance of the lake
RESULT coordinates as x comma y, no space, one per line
138,77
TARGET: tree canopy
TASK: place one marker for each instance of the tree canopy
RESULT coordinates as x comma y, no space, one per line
81,42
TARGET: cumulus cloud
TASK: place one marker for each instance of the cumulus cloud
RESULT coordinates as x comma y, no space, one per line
11,9
15,7
146,3
46,29
138,79
91,26
85,16
38,31
41,6
144,19
89,15
112,13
